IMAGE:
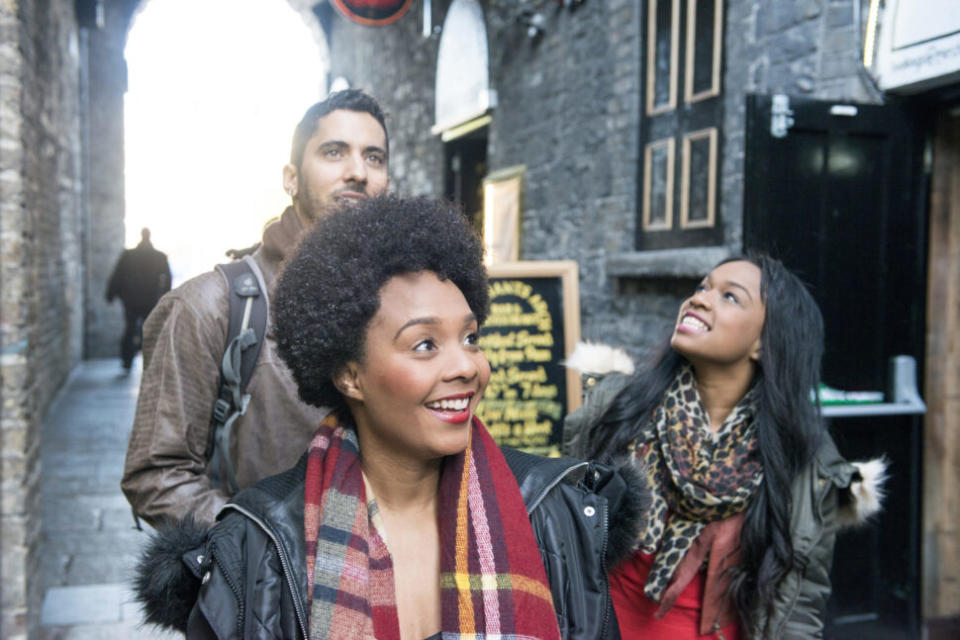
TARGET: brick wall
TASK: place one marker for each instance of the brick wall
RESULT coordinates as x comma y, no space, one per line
16,416
41,240
103,128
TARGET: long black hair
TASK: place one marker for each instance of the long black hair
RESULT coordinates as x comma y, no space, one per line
789,426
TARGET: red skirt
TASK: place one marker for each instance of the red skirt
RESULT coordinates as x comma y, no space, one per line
635,611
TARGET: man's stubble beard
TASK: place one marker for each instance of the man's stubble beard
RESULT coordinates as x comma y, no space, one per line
312,208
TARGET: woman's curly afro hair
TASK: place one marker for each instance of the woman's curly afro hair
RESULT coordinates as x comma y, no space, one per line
330,289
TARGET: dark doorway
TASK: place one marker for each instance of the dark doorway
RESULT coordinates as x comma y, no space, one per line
465,165
836,191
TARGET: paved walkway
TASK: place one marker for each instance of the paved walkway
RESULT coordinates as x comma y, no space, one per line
89,545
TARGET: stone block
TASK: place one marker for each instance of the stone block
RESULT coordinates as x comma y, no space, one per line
15,527
14,582
841,14
70,519
776,17
842,39
15,439
83,604
795,42
13,624
99,568
53,567
839,66
12,499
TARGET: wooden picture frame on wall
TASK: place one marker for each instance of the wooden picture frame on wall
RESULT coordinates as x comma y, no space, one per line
503,214
687,175
653,107
649,222
716,52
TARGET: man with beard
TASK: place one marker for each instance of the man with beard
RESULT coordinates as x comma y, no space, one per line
338,157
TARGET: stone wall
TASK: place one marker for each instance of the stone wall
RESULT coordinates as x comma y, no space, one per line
106,82
569,109
396,65
41,240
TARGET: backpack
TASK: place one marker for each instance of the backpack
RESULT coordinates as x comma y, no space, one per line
245,332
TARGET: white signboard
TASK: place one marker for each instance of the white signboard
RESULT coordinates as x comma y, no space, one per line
919,46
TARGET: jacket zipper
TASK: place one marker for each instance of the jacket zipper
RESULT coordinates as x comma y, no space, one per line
233,587
556,480
603,567
284,563
793,603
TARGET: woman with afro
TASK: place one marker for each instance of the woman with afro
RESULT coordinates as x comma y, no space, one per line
403,519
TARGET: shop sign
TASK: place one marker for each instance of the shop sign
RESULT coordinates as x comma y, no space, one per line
919,46
373,13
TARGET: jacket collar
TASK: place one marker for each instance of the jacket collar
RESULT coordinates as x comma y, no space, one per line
281,235
279,241
278,501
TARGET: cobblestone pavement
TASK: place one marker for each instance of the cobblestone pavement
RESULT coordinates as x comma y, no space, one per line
89,544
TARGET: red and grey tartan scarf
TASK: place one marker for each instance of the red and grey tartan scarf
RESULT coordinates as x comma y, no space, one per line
492,579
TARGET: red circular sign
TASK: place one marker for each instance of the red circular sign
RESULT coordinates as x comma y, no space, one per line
373,13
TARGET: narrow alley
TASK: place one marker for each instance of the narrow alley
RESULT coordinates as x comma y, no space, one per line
89,544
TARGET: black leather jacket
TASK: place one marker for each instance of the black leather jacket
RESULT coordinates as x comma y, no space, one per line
246,577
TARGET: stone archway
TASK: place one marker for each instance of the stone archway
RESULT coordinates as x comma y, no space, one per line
105,195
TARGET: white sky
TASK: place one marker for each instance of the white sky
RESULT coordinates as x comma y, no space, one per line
215,90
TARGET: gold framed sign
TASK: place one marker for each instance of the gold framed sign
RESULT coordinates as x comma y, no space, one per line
534,324
502,214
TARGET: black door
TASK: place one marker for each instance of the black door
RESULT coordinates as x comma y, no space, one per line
465,167
836,192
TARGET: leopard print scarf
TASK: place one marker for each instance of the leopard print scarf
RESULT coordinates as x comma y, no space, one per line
697,476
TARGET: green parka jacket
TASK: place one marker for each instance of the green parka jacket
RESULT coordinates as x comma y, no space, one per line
827,495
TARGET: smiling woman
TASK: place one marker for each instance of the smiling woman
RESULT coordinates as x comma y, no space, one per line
211,101
403,520
749,489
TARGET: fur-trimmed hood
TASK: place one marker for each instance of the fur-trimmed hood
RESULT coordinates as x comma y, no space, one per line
864,497
167,578
627,511
598,359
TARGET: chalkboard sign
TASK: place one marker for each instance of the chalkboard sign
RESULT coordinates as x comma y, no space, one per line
534,324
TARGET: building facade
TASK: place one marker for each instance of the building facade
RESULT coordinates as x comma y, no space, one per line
653,138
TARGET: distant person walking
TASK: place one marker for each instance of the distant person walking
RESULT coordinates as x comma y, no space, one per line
141,276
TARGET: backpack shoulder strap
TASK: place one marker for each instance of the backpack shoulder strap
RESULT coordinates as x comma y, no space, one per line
246,330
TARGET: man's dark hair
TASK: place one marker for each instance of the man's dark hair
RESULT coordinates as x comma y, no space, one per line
330,289
349,100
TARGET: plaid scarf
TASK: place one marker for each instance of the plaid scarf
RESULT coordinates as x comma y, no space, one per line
698,477
492,581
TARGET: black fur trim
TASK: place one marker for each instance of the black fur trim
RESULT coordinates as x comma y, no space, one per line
164,585
627,513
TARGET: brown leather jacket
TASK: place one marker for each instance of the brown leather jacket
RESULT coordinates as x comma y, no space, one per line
183,342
